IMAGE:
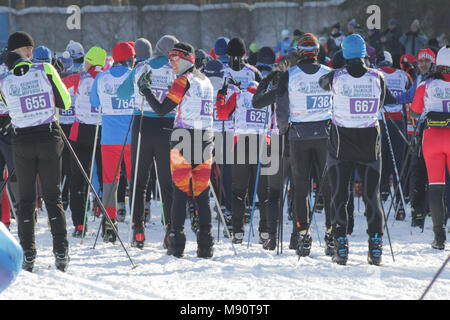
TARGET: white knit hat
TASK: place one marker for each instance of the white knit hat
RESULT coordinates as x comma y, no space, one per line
443,57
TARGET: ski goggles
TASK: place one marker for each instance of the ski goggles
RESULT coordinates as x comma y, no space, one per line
177,54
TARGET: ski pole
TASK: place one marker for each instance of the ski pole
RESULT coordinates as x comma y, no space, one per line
136,166
94,149
394,163
435,278
6,181
160,194
314,217
387,231
221,215
257,176
115,174
102,208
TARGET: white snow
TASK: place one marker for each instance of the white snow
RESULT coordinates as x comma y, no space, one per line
106,273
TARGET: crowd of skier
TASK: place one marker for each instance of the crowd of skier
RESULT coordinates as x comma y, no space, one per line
341,119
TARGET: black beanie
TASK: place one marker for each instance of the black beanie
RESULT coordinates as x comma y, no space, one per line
19,39
266,55
236,47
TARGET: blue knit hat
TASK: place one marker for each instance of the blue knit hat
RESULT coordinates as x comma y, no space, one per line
42,54
220,46
214,68
354,47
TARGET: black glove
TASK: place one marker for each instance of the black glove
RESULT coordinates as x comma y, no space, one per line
145,82
224,90
57,63
234,82
272,75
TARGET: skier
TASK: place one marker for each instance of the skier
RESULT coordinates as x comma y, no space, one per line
250,128
82,134
31,94
220,49
66,119
432,98
418,172
192,96
76,52
358,94
6,158
116,118
237,69
155,136
397,82
305,109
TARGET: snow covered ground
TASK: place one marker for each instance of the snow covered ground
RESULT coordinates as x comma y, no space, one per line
253,274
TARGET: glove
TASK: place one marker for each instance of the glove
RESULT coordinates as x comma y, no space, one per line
271,75
57,63
234,82
144,82
224,90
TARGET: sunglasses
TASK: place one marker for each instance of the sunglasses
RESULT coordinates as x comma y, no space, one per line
174,59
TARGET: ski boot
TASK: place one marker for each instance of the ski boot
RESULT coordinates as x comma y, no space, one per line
29,256
329,244
78,232
341,250
205,242
304,242
121,212
176,243
418,220
294,240
319,204
439,239
271,242
62,260
263,237
375,250
108,233
238,237
138,236
400,213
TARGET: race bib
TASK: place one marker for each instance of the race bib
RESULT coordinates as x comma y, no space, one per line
318,102
207,108
256,116
119,104
35,102
363,106
67,113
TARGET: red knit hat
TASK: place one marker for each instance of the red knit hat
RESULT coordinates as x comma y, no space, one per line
123,51
426,54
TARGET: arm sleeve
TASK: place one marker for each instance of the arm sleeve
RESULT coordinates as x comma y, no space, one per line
173,98
417,105
261,98
224,109
407,96
62,96
326,81
282,101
